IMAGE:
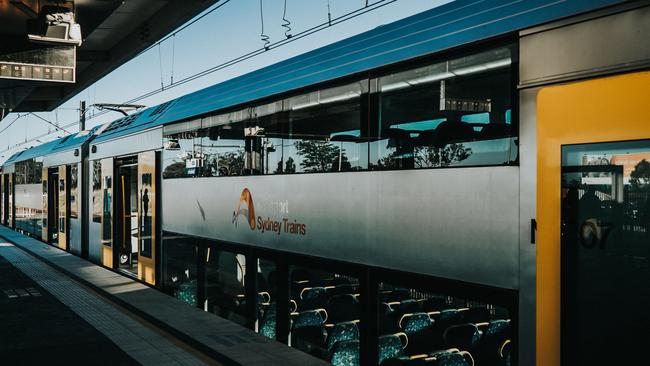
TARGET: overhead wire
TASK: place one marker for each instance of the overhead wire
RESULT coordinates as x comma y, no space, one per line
12,122
286,24
307,32
265,38
329,13
50,122
173,57
208,12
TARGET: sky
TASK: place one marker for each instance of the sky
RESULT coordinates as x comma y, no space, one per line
225,34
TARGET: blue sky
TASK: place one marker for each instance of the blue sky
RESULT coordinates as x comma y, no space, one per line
226,33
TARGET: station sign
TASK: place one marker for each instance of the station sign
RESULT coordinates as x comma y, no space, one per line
9,70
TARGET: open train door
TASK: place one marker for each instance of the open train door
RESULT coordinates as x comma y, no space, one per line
106,231
64,207
147,215
11,212
2,199
44,220
593,214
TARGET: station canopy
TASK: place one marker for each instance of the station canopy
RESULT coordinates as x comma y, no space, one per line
51,50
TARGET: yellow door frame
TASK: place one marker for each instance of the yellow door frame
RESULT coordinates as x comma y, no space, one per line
147,216
601,110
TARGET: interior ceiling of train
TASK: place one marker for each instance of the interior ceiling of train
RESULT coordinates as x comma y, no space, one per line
111,33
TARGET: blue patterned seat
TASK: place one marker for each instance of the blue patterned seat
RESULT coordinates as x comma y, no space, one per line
310,318
415,323
267,322
313,298
495,334
391,345
345,353
342,332
497,327
453,359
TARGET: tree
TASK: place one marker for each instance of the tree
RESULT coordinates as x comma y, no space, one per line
228,163
640,176
432,157
318,156
174,170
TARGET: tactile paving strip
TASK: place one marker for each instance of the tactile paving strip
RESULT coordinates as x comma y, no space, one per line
142,344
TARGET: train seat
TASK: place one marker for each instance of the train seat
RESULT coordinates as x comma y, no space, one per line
418,327
463,336
346,353
268,322
308,332
344,331
391,346
451,358
342,289
342,308
313,298
495,335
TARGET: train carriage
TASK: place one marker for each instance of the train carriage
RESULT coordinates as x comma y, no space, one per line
469,185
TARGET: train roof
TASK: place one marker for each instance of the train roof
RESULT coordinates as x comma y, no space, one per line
456,23
61,144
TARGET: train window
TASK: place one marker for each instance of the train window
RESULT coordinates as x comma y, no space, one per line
267,290
323,131
272,124
182,150
97,191
29,172
74,178
414,323
180,268
453,113
223,150
224,284
325,315
605,230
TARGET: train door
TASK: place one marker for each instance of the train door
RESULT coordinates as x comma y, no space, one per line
106,230
147,216
53,206
64,207
45,199
126,222
593,212
2,199
11,214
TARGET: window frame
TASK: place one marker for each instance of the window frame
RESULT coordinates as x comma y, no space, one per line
369,101
369,278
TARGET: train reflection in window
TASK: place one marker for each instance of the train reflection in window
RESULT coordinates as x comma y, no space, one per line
452,113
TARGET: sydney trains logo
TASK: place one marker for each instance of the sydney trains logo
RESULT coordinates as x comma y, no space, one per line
248,211
283,225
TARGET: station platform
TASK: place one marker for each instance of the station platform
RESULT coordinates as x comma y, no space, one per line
131,322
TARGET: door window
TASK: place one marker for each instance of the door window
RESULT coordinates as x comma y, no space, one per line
605,252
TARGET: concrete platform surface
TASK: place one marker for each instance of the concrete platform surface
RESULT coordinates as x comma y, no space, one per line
227,342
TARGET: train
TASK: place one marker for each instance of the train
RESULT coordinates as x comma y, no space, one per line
469,186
